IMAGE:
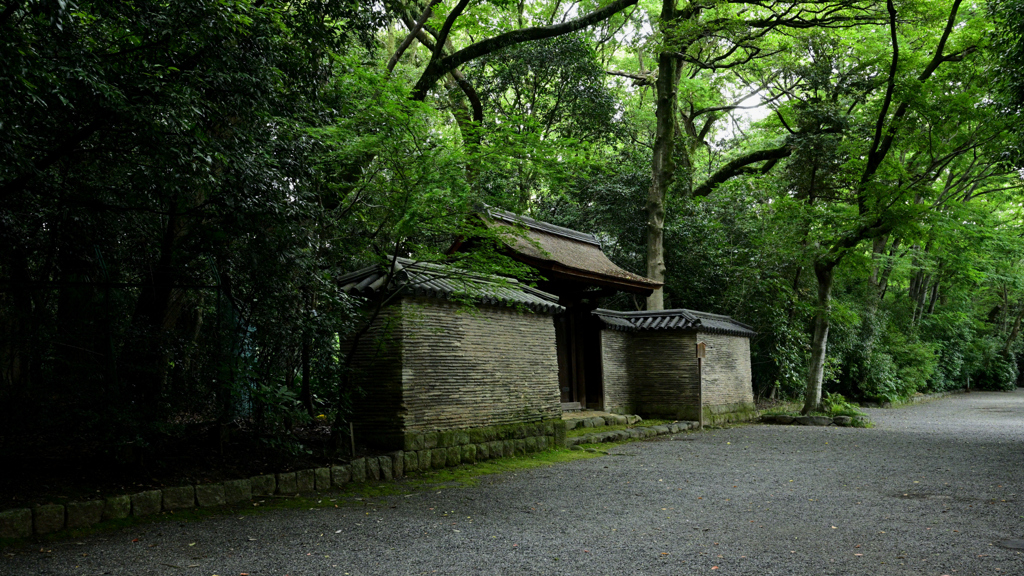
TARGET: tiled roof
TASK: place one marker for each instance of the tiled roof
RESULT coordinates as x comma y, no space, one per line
677,319
423,279
573,254
512,218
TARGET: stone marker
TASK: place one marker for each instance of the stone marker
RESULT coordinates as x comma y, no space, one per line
210,495
236,491
264,485
117,507
146,503
16,523
179,497
305,480
323,479
84,514
286,485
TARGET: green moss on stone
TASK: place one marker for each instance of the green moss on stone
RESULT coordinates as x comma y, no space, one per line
412,461
439,457
454,456
469,453
430,440
446,439
412,442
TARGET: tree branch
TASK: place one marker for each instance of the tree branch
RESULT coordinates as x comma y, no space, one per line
439,66
739,166
638,79
461,80
413,31
446,29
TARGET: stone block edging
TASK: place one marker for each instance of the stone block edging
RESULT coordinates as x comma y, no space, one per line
636,433
49,518
812,420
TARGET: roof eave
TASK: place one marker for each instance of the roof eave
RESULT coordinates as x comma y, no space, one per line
559,271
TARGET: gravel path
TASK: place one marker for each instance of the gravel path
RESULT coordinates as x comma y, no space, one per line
931,490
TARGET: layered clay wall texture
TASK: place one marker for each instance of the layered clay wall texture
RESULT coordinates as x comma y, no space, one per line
615,372
727,378
457,369
663,373
654,373
377,365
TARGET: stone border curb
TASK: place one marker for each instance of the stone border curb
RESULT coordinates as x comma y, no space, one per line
638,433
598,421
49,518
812,420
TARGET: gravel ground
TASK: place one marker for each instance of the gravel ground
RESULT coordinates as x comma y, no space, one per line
933,489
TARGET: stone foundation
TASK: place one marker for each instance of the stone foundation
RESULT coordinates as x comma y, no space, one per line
428,451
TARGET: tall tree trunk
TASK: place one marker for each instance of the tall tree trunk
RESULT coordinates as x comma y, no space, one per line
824,272
662,161
1014,332
306,393
883,282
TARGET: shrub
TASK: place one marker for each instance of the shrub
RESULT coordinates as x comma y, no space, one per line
837,405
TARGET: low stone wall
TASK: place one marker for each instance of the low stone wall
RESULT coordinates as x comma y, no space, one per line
427,451
814,420
638,433
483,443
